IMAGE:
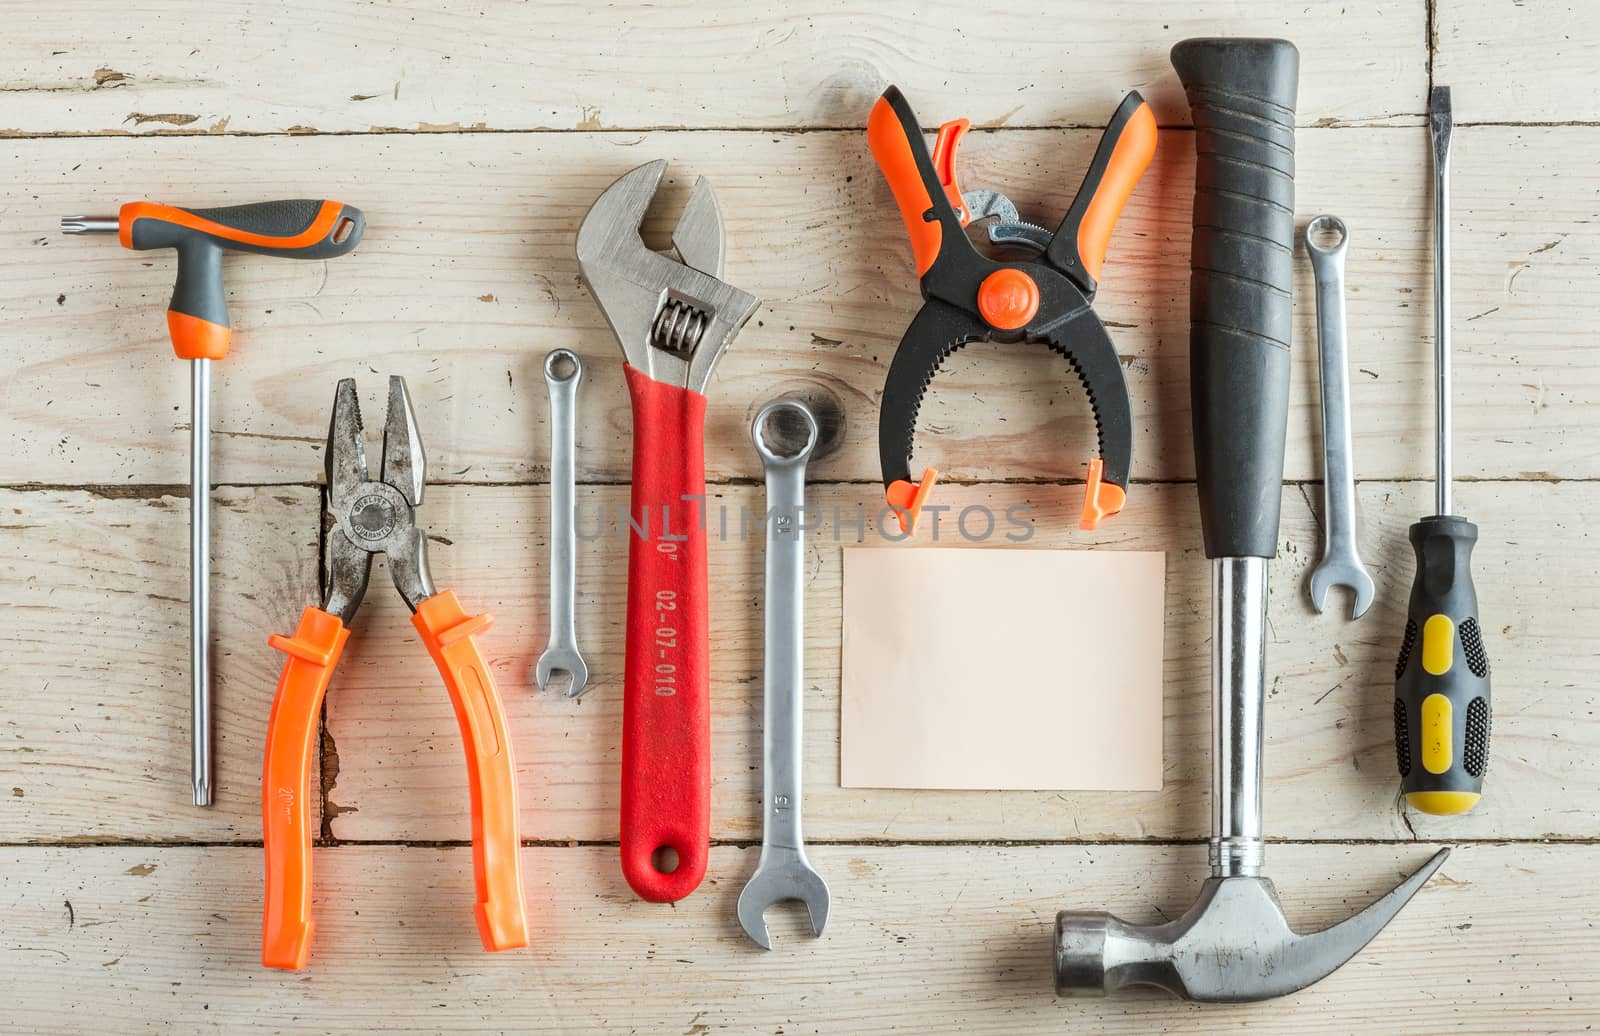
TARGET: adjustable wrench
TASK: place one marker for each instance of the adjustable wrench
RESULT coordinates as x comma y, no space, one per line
674,318
783,873
1341,562
562,665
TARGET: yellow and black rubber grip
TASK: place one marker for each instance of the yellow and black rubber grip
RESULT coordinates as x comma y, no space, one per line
198,315
1441,701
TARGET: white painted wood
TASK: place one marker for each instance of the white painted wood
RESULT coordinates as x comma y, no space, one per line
468,277
433,66
1512,61
94,734
920,940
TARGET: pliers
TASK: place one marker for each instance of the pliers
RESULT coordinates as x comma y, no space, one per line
970,297
367,518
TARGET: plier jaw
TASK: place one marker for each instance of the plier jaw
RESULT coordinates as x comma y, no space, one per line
970,297
367,517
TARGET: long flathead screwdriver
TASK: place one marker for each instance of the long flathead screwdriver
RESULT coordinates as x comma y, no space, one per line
197,320
1441,700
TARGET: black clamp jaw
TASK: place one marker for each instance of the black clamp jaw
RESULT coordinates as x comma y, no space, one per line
971,297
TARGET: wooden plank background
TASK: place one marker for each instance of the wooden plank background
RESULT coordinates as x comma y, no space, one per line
475,137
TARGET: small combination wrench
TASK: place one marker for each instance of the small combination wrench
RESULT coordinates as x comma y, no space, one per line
783,873
1326,241
562,665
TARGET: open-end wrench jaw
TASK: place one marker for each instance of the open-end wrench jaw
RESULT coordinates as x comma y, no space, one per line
783,875
673,316
1347,572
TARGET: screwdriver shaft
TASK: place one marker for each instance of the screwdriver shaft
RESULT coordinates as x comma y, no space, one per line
200,576
1440,124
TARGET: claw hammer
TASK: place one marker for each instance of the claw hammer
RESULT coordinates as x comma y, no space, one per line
197,320
1234,945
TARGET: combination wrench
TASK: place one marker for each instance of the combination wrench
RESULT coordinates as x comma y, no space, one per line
783,873
562,665
1326,241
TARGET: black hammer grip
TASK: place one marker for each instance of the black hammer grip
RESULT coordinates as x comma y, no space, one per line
1241,94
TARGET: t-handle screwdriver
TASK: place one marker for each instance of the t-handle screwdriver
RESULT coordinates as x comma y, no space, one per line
198,322
1441,700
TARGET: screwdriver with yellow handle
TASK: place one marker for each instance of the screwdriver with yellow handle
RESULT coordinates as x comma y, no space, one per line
197,320
1441,691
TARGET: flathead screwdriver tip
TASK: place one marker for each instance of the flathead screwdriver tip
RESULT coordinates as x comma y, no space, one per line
1440,120
89,224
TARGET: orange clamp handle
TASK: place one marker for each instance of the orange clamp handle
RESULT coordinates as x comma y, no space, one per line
1125,151
890,131
450,636
945,145
313,651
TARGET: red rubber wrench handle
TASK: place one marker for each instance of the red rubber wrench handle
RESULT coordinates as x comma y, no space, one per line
666,711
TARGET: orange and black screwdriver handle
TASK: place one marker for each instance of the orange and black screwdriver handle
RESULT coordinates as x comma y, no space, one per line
198,315
969,297
1441,693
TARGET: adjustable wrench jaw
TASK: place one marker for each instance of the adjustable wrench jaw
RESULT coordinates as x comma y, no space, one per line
673,316
368,517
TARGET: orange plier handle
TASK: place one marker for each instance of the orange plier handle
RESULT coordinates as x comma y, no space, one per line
450,636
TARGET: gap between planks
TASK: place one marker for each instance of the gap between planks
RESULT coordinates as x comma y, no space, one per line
632,131
148,491
738,843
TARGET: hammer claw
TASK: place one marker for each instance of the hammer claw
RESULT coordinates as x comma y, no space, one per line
1232,946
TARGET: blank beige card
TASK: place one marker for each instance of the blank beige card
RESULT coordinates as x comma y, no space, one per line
1002,669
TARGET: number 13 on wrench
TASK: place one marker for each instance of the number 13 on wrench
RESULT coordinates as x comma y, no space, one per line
674,318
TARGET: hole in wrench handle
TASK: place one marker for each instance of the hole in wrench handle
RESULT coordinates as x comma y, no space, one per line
666,713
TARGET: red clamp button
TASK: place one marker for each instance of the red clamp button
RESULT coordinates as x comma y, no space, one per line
1008,299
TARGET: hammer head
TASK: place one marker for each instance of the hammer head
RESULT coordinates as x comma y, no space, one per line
1232,946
